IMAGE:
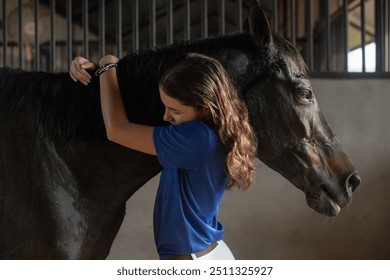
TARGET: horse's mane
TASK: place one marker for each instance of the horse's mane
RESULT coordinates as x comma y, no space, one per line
61,106
151,63
140,72
65,108
70,110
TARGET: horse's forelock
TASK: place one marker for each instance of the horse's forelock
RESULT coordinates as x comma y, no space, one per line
290,58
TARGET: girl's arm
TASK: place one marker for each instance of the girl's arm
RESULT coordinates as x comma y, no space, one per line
118,128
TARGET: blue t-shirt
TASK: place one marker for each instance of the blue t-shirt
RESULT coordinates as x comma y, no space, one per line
192,184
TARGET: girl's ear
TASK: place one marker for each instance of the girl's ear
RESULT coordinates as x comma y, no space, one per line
205,113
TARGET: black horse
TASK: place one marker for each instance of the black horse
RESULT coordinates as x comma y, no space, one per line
64,186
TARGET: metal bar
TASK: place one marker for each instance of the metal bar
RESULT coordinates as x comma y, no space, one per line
285,17
52,65
309,34
152,20
36,36
385,49
204,19
388,34
221,16
239,15
275,16
327,35
135,25
85,29
385,34
20,34
357,26
102,28
187,19
119,41
293,22
379,35
169,22
345,31
363,33
5,35
69,32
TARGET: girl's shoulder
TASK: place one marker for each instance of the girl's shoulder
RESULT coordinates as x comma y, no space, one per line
186,145
199,125
197,129
193,133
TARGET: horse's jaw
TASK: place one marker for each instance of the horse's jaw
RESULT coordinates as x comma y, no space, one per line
328,181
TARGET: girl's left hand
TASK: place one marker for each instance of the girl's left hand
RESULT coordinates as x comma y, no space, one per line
79,70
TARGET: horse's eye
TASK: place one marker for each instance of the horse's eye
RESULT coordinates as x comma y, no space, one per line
305,95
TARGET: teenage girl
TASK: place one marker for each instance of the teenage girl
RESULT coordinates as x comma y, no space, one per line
208,147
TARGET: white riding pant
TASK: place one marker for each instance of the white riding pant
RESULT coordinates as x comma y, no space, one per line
221,252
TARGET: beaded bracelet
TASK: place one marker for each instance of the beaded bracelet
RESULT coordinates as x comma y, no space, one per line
105,68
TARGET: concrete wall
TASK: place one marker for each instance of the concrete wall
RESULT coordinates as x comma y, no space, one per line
272,220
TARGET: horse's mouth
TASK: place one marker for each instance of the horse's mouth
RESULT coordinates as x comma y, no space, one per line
324,202
333,208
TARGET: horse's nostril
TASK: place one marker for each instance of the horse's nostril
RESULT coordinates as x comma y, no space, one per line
353,181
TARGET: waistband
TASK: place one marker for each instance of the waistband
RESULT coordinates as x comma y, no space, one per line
195,255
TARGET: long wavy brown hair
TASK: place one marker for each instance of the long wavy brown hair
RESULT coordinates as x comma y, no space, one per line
202,82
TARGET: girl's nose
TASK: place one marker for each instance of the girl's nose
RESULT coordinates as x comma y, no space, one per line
167,116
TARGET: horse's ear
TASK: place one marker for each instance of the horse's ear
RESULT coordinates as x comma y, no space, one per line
258,25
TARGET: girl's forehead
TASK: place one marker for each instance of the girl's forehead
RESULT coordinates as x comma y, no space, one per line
169,101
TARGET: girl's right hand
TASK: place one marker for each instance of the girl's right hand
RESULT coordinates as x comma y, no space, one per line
79,70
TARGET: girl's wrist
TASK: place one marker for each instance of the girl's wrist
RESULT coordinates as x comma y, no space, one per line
105,68
107,59
106,63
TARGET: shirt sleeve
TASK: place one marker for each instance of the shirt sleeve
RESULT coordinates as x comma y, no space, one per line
182,146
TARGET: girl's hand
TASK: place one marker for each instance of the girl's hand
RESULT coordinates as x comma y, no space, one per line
79,70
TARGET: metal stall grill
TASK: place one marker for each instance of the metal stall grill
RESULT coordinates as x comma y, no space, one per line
47,34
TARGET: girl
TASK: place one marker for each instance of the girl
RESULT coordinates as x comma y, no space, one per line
208,148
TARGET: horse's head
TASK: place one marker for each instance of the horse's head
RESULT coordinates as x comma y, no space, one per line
294,137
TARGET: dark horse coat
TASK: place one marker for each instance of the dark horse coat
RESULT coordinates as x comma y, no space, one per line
64,186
